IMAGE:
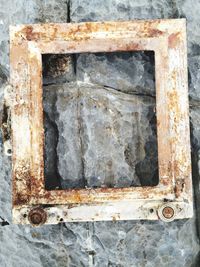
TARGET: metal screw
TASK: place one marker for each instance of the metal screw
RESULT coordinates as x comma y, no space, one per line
37,216
168,212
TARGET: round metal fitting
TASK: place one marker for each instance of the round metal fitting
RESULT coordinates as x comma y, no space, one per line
167,212
37,216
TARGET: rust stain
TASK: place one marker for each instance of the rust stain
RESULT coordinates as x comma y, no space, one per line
21,183
133,46
99,195
51,34
174,103
37,216
83,31
20,199
155,32
168,212
29,33
174,39
179,187
165,182
116,217
151,29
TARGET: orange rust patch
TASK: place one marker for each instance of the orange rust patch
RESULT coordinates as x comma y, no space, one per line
20,199
79,196
150,29
37,216
174,40
165,182
30,34
155,32
173,102
180,185
133,47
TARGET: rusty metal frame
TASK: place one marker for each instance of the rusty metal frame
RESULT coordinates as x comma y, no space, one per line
172,197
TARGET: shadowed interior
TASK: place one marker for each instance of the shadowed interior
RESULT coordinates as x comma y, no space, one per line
100,131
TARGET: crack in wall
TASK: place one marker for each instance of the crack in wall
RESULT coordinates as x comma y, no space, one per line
68,11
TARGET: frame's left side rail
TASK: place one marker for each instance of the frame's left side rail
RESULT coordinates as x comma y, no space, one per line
21,134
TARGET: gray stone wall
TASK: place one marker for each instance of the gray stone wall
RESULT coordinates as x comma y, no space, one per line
112,97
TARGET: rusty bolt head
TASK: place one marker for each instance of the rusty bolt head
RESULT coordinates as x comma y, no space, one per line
37,216
168,212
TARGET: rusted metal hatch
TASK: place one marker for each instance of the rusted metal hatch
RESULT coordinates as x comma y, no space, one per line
172,197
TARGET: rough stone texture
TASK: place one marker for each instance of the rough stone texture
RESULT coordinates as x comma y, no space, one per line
189,9
100,244
51,139
144,244
95,10
127,72
106,138
194,77
195,149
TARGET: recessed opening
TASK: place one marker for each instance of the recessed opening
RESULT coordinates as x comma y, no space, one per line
151,210
9,151
100,120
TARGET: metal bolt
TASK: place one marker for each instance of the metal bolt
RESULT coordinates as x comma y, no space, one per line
37,216
168,212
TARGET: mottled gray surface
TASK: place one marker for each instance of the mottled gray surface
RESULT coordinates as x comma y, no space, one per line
127,72
101,244
105,137
95,10
194,77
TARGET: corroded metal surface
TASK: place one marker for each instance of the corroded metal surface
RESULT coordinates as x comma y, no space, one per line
37,216
168,39
168,212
